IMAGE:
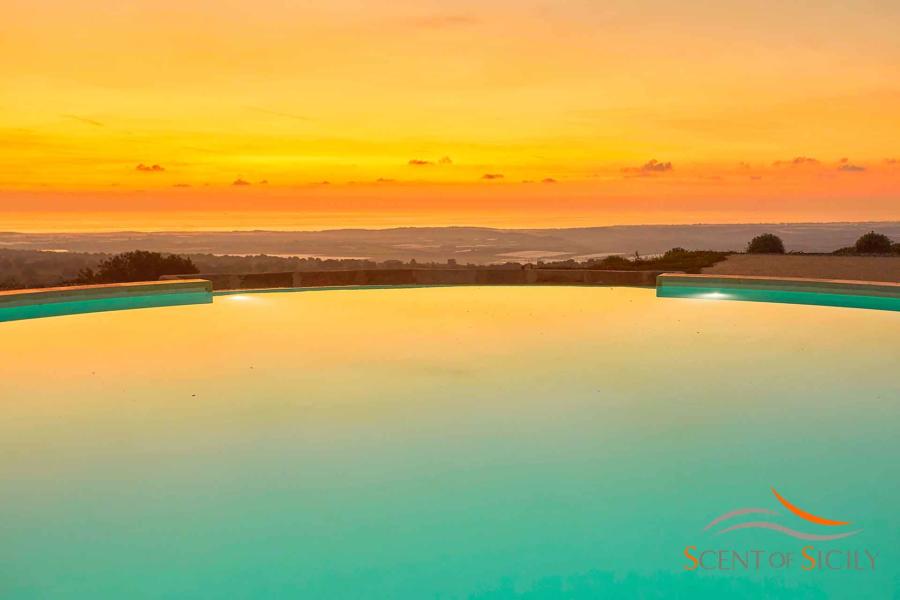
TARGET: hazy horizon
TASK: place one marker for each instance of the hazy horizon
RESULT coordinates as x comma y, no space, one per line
478,245
9,226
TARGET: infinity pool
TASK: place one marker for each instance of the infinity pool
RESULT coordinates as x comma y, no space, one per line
451,443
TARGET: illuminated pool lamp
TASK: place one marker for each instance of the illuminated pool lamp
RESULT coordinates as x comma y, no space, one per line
714,296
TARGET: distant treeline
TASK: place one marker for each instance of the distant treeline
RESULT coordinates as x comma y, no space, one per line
34,268
676,259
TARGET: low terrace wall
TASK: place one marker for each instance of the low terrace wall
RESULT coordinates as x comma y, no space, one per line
384,277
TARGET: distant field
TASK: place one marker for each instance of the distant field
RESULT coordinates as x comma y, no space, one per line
476,245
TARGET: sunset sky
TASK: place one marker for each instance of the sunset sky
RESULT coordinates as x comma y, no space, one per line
211,114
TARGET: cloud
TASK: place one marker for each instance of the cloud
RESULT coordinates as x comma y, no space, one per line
799,161
182,185
492,176
385,180
651,166
84,120
149,168
892,161
263,181
240,181
850,168
420,162
548,180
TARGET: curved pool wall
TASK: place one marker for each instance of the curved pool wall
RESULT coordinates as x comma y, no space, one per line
179,290
783,290
16,305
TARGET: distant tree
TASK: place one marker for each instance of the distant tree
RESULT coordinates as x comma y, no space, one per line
675,252
895,247
138,265
767,243
613,262
873,243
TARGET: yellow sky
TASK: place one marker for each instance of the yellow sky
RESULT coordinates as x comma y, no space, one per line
145,114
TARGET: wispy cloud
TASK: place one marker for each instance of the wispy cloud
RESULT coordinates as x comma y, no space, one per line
492,176
84,120
799,161
851,168
240,182
650,167
548,180
149,168
421,162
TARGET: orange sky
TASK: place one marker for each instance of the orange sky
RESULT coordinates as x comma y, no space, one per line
144,115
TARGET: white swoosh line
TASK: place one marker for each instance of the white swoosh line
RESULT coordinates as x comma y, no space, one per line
794,534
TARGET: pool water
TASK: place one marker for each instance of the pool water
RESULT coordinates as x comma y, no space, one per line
559,442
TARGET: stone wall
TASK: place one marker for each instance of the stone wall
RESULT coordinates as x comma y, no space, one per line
388,277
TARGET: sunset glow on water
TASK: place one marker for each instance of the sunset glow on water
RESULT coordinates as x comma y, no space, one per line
443,442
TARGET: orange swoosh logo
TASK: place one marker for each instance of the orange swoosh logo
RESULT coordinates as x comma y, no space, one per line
806,515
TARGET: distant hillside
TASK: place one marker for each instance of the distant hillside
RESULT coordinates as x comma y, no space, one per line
477,245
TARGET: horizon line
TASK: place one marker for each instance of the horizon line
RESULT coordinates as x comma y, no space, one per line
394,227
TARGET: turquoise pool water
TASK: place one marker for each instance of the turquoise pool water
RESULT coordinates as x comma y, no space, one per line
857,300
448,443
57,309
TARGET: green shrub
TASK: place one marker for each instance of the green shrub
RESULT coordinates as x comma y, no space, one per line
767,243
873,243
676,252
676,259
615,262
138,265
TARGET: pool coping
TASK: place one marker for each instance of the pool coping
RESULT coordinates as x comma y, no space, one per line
203,289
848,287
103,291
